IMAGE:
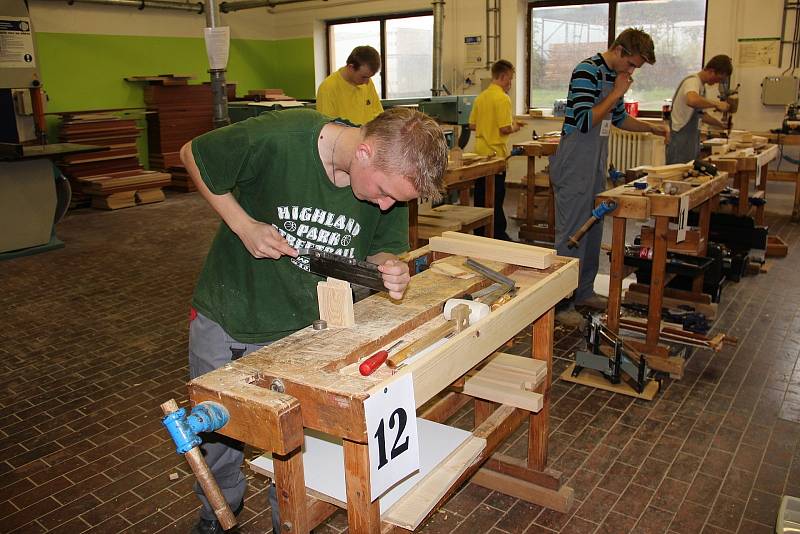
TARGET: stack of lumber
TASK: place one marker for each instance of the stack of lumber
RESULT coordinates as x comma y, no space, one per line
182,112
101,129
125,189
180,180
271,95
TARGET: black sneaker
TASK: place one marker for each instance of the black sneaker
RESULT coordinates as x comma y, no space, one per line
212,526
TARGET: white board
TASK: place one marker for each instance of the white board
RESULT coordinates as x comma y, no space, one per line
323,461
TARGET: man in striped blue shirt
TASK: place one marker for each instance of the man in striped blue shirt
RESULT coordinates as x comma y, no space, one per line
578,169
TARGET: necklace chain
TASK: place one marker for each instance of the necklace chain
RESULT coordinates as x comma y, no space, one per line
333,155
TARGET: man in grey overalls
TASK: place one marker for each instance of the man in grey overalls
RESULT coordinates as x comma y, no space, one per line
688,104
578,169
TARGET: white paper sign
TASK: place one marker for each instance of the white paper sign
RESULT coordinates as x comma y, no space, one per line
392,434
758,174
683,217
217,45
16,42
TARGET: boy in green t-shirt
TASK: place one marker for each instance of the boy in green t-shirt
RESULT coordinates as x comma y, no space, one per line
287,180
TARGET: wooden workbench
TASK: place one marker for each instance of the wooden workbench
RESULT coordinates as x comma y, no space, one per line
743,169
323,391
531,229
786,140
462,178
662,208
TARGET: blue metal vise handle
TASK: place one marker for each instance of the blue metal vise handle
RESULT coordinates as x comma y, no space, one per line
205,417
603,209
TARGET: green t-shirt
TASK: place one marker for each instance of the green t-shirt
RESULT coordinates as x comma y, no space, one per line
272,166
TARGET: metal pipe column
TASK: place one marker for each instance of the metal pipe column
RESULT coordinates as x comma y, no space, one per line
218,87
438,36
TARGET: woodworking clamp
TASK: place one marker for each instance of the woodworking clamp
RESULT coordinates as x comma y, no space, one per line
205,417
614,175
602,209
611,356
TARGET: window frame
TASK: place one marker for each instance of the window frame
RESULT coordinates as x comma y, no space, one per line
370,18
612,24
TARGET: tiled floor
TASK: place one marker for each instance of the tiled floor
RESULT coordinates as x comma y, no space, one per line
93,338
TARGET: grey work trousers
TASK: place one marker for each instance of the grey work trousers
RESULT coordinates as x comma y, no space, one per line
210,347
577,175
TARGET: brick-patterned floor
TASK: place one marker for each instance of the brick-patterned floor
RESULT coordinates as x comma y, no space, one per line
93,338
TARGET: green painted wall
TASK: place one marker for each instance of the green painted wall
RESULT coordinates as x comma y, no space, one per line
83,72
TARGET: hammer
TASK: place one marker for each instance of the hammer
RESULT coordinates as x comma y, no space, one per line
459,313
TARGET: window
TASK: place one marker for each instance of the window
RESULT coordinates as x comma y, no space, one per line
405,44
564,33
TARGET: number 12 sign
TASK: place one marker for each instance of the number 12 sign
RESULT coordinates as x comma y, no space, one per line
392,433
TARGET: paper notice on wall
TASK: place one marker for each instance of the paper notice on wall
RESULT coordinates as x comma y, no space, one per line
217,46
759,51
16,43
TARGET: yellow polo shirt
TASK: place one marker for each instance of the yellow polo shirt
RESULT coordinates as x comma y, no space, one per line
338,98
490,112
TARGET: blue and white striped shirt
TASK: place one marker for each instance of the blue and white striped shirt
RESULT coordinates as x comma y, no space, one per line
585,92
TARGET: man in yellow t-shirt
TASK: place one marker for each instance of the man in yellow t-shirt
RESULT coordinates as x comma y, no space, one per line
492,122
349,92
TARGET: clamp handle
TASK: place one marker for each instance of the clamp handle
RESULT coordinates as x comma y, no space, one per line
204,476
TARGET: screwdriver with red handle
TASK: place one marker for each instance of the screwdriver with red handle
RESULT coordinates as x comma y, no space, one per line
369,365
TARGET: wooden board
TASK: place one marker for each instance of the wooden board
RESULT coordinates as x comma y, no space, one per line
510,380
492,249
592,378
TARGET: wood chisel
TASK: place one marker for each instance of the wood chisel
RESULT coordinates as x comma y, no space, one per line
369,365
348,269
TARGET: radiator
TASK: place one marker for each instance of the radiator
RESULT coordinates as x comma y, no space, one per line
631,149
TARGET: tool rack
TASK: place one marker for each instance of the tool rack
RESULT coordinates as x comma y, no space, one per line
462,178
637,205
310,379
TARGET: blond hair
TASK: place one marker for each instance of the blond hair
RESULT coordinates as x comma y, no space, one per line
409,143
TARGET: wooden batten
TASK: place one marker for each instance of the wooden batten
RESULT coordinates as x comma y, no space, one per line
415,506
491,249
510,380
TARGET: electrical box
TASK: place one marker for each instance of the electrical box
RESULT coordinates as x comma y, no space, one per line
779,90
474,51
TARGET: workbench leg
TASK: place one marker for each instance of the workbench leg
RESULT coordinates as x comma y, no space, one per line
657,271
463,196
617,272
743,183
482,409
539,429
704,224
363,516
530,206
291,489
488,201
796,208
762,187
413,223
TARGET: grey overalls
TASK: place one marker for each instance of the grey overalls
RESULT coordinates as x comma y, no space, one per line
684,145
578,174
